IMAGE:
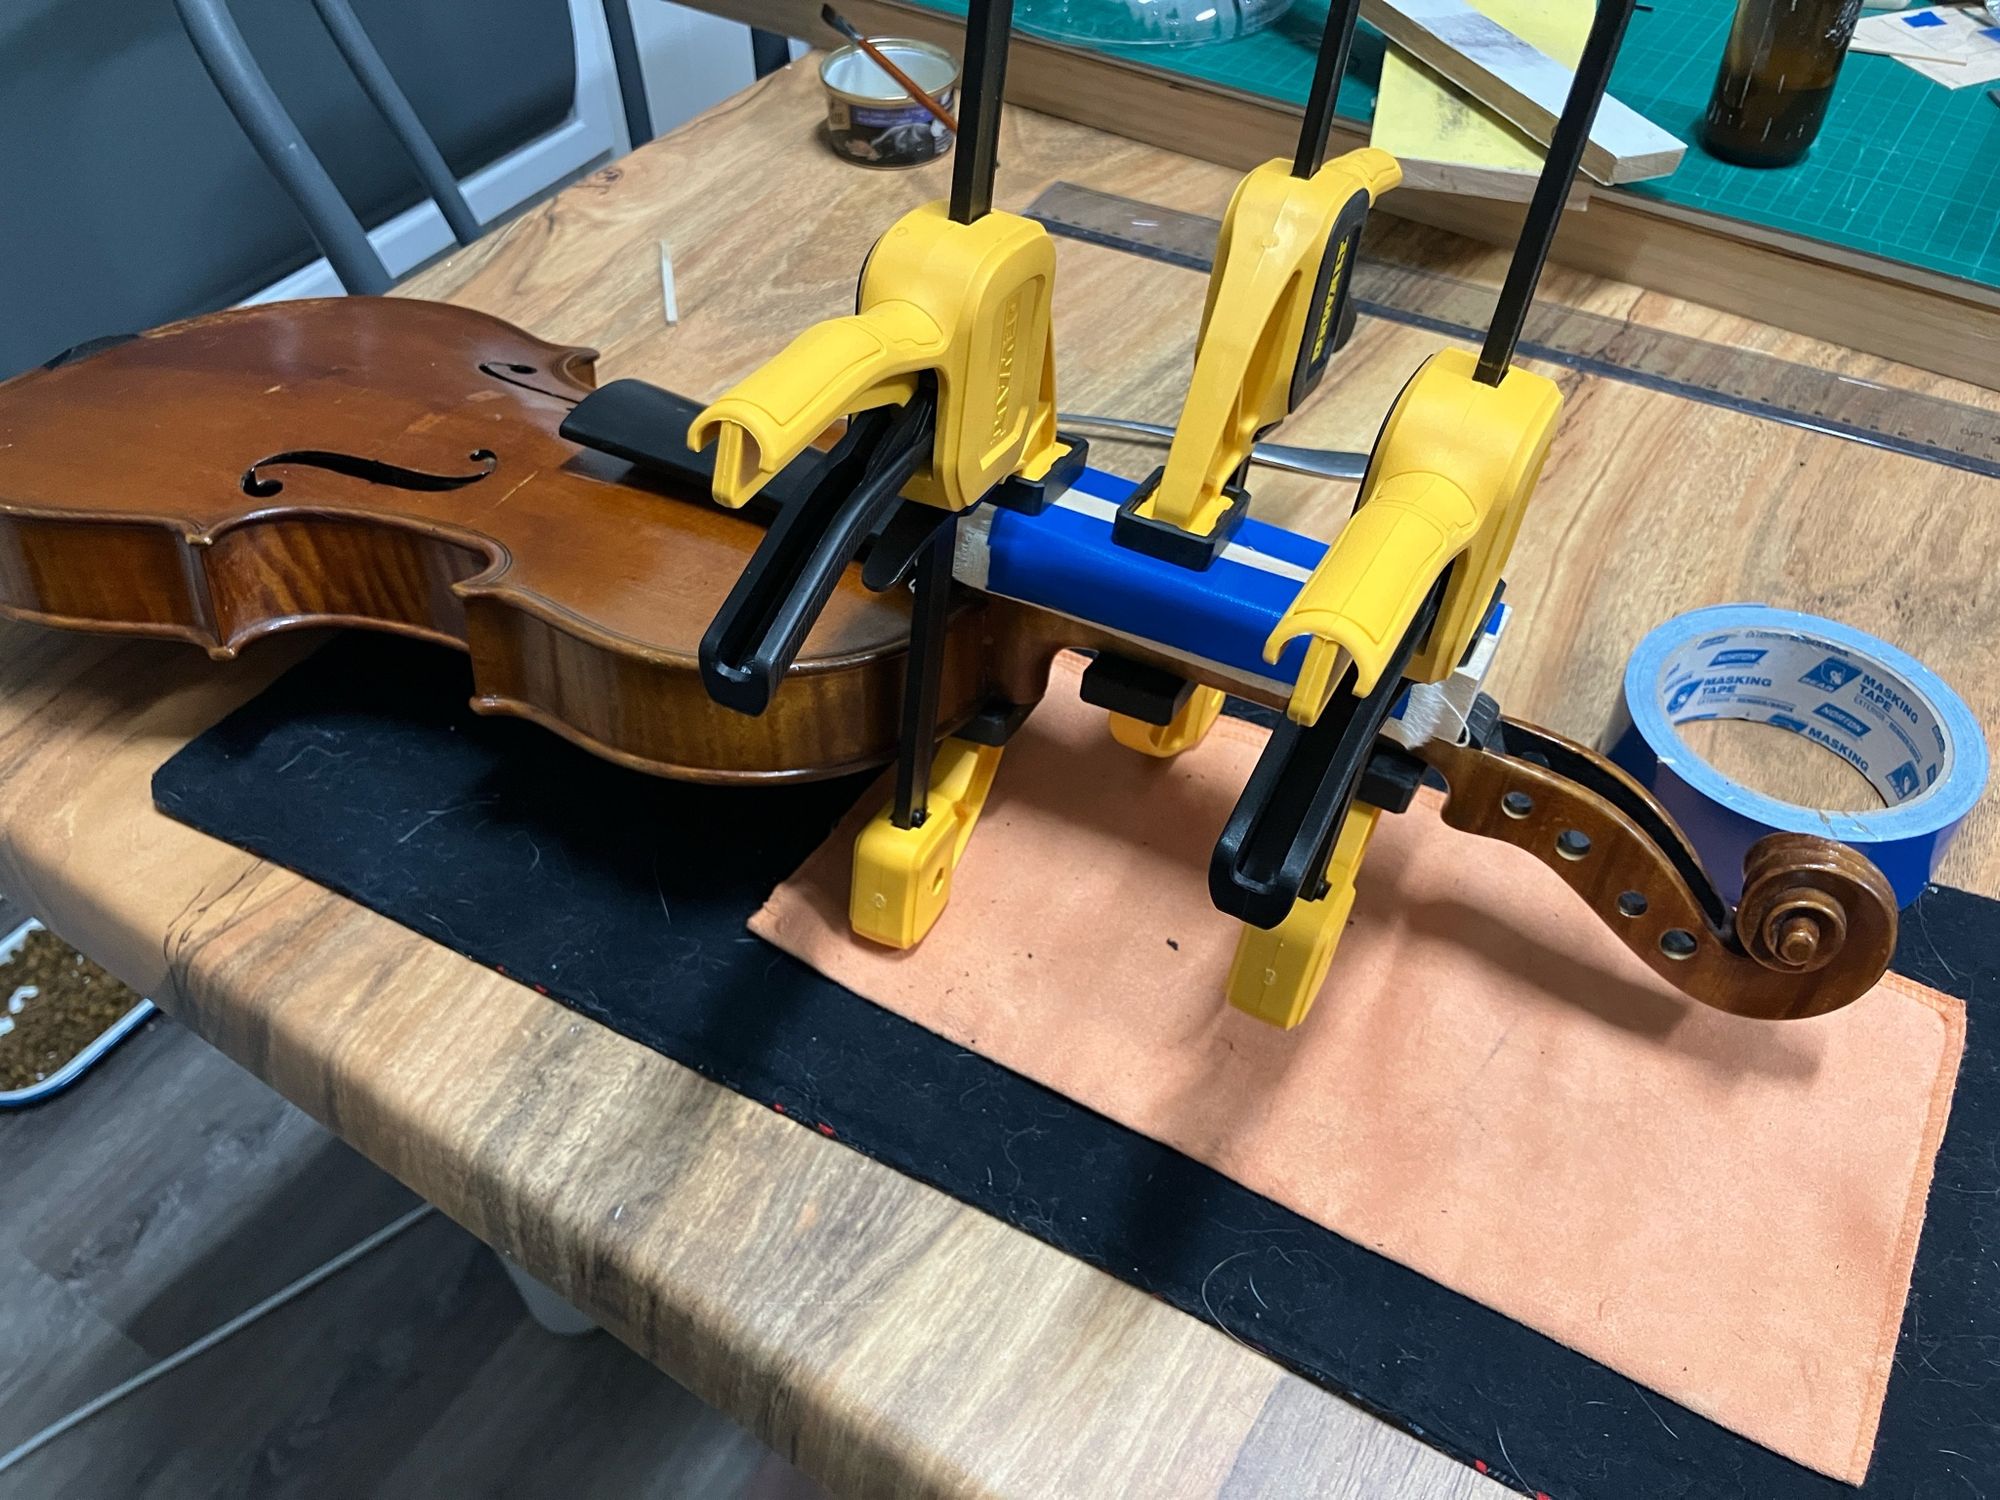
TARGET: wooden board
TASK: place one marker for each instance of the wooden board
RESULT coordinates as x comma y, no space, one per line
1446,140
889,1339
1444,137
1521,84
1899,312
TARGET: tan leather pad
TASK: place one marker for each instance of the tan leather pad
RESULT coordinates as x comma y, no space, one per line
1490,1090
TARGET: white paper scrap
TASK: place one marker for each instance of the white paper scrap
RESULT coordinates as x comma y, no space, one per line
1956,48
671,303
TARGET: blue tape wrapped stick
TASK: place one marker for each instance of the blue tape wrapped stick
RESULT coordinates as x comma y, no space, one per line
1885,713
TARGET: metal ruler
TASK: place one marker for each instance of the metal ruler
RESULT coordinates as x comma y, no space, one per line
1762,385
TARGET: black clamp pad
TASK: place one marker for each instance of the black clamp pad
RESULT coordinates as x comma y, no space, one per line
1166,541
1150,694
1391,778
1033,496
648,427
995,722
644,425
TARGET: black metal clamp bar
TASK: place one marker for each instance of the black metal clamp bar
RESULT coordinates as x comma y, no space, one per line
1566,147
979,103
923,676
1324,96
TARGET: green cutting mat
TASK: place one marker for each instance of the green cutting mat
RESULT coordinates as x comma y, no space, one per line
1904,168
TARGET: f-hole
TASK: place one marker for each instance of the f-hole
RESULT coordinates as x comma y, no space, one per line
369,470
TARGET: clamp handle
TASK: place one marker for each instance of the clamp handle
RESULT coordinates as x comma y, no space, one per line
965,303
1278,306
1447,485
1273,315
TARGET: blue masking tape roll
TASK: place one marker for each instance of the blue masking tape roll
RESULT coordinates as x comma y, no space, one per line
1879,709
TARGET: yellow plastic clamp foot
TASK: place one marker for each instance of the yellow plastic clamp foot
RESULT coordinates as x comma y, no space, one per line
902,876
1278,971
1182,732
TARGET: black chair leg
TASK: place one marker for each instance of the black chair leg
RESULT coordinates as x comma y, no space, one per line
276,139
631,77
768,52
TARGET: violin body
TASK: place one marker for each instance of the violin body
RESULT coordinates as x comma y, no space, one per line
395,464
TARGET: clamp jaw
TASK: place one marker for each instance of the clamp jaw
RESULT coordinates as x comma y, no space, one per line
1278,308
946,376
1406,595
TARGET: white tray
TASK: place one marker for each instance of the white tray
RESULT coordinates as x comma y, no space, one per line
78,1065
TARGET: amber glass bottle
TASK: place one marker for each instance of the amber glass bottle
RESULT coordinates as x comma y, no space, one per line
1777,75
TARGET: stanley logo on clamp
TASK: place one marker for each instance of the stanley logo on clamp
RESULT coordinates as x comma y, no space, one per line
1003,378
1331,300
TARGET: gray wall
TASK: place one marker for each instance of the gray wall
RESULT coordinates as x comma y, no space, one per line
128,196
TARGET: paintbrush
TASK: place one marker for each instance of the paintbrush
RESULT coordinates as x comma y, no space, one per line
845,27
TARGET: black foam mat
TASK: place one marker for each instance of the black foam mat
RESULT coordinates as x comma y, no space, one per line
625,898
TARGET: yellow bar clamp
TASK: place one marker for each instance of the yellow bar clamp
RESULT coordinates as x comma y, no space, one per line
1278,972
969,302
902,876
1448,482
1450,479
1271,311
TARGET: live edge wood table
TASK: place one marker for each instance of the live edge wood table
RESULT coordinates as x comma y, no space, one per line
890,1340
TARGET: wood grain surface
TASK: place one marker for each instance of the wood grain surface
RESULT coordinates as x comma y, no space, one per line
1936,322
889,1339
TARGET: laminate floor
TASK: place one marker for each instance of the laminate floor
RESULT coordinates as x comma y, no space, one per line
170,1191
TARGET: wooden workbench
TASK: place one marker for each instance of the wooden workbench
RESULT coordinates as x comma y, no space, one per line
889,1339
